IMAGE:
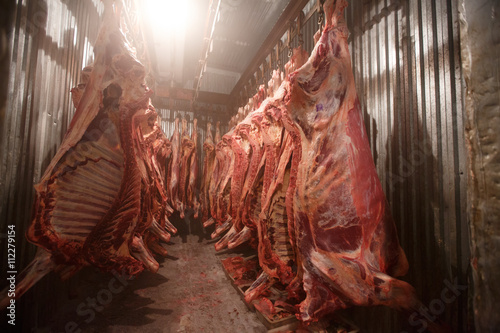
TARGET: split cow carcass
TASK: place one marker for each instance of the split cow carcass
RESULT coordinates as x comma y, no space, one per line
321,223
103,199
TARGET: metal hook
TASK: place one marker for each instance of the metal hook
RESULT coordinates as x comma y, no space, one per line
301,39
300,19
321,12
264,66
278,49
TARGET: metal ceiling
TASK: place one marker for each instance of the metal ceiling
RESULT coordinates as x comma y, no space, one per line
239,32
240,28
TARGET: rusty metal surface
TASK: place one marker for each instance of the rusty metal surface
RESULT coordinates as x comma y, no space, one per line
406,63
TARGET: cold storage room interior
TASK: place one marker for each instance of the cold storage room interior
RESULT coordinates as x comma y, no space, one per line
249,166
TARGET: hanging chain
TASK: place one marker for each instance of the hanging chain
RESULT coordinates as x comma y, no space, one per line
278,58
289,39
300,20
321,17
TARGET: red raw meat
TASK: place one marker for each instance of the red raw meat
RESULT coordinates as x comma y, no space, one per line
102,194
222,204
274,83
173,168
250,130
208,172
218,173
191,192
241,155
152,151
345,235
276,253
259,97
241,270
187,147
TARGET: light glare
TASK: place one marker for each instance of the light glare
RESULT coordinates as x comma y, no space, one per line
169,15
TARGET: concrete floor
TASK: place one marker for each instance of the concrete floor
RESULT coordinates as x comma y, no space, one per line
190,293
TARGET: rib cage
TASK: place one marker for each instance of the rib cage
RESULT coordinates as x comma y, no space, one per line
85,186
102,191
277,223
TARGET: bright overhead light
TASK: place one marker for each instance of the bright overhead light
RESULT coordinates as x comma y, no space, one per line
170,16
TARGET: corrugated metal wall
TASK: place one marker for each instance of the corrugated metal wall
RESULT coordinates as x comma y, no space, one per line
407,67
50,42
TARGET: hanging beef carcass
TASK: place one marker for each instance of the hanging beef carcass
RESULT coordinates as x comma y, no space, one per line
274,83
217,136
215,177
152,150
192,187
250,206
345,235
241,151
275,225
173,167
208,171
321,181
259,97
222,195
249,130
187,148
90,203
247,152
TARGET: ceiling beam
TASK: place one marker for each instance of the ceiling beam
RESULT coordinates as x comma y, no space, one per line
212,17
233,70
165,91
213,98
290,13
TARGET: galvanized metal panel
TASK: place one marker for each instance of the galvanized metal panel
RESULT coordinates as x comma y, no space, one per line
49,44
242,28
406,62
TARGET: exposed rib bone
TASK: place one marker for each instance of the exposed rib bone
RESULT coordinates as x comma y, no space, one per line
140,252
